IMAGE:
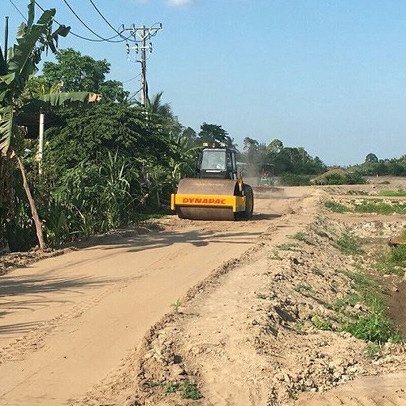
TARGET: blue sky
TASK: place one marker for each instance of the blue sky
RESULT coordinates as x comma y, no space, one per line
328,75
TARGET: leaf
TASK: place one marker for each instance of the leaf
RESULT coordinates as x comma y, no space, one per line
62,31
25,45
31,13
6,128
58,99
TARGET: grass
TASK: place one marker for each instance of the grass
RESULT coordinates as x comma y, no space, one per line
303,287
321,323
317,271
176,306
374,325
348,244
187,389
392,193
350,300
288,247
261,296
394,262
380,207
336,207
301,236
372,350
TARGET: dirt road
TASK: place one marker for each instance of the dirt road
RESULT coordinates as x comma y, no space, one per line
66,322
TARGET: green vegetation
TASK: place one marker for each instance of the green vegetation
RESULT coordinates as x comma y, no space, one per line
292,179
288,247
373,350
392,193
301,236
176,306
348,178
373,325
336,207
393,262
348,244
303,287
380,207
317,271
381,167
321,323
186,388
261,296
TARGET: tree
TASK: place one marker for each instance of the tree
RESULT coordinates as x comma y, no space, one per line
74,72
214,133
371,158
32,41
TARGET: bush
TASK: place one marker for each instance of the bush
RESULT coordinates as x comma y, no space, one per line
291,179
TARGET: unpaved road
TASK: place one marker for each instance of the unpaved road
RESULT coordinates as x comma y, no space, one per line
66,322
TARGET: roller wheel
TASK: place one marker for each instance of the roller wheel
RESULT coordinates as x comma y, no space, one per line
249,202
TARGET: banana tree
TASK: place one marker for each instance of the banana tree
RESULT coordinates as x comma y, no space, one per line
21,64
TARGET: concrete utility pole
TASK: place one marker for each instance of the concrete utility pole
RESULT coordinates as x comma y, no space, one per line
5,39
141,36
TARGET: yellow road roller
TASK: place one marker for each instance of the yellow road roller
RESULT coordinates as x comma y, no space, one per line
217,192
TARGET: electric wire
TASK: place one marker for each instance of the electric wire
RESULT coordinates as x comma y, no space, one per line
21,14
70,32
111,39
108,23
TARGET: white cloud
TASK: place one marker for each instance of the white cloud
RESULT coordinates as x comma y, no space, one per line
179,3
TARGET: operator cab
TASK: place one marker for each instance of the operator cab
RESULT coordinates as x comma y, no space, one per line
219,163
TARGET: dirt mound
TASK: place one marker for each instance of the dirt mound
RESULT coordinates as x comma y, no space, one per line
322,179
268,331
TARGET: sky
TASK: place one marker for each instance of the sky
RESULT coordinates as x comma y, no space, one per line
326,75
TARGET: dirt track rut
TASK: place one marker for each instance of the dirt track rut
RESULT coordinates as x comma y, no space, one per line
66,322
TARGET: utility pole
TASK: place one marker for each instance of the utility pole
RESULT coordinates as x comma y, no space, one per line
6,39
141,35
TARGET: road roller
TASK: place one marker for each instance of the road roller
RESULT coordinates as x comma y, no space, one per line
217,192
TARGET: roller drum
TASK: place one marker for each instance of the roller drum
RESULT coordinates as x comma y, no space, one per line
225,187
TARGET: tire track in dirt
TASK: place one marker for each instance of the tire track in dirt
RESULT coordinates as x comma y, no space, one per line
34,339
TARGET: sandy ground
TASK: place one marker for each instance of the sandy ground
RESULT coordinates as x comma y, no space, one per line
65,322
95,326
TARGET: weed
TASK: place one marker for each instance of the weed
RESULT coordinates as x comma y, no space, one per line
190,391
171,387
275,255
358,192
176,306
390,193
288,247
340,304
375,327
298,326
303,287
317,271
394,262
348,244
334,287
301,236
261,296
381,207
321,323
336,207
372,350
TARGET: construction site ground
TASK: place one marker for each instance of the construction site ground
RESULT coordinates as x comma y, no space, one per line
184,312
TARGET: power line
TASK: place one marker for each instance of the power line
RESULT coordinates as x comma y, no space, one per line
107,22
73,33
92,31
21,14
